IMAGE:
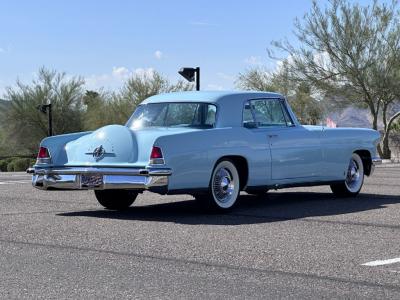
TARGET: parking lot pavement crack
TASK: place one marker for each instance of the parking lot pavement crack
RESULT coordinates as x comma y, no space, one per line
316,220
207,264
36,212
9,199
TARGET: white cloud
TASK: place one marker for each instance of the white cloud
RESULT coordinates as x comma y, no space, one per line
253,60
279,64
116,78
120,72
158,54
149,72
323,59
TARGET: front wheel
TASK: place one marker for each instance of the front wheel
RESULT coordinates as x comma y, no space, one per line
354,179
224,187
116,199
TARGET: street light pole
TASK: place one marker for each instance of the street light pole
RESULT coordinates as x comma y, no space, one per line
50,120
191,74
197,70
46,108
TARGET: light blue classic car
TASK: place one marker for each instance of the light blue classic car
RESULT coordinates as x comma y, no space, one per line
211,145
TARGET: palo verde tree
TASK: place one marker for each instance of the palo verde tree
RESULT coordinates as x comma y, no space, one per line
25,125
352,50
141,86
104,108
307,109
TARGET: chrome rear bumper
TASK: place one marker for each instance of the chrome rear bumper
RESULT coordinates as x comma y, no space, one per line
70,178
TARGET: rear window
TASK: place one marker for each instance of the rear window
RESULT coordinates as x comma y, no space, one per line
197,115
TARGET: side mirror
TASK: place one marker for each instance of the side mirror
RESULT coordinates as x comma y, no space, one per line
250,124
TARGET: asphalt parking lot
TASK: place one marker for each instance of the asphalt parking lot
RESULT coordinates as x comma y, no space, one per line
293,243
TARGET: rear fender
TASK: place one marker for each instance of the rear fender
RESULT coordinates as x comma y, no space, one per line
56,146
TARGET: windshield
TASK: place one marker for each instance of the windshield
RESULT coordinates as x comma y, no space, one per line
198,115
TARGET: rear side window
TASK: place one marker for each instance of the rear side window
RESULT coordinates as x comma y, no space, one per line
265,113
180,114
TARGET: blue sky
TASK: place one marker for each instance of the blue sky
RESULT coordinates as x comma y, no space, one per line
106,41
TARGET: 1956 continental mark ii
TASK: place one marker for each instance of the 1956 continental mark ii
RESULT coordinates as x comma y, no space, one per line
211,145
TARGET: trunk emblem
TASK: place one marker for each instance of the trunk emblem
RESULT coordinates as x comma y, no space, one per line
98,152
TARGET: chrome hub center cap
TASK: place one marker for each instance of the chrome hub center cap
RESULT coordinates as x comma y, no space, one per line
225,183
354,178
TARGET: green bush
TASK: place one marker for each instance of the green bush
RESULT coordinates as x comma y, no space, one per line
15,164
3,165
21,164
10,166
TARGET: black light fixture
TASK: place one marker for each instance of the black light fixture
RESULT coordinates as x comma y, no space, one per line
44,108
191,74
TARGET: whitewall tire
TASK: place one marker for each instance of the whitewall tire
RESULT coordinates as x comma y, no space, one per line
354,179
224,187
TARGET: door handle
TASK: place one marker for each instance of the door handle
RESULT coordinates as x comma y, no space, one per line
272,135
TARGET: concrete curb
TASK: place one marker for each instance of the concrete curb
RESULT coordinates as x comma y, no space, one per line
389,163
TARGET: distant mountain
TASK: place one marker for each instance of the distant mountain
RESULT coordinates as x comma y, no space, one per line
358,117
4,103
354,117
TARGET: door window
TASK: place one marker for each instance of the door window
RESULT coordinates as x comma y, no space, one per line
265,113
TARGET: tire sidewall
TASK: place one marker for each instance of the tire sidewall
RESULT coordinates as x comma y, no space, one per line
359,162
229,165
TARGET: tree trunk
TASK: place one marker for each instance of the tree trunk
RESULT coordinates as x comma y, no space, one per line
385,140
375,126
375,121
386,153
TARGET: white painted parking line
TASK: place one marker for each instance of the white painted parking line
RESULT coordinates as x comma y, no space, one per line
382,262
14,181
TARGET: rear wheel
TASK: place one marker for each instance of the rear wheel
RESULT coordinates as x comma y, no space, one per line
116,199
354,179
224,187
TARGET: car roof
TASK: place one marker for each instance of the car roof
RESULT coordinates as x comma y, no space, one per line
208,96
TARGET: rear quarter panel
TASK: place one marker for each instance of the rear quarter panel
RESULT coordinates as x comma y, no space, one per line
193,155
56,145
338,144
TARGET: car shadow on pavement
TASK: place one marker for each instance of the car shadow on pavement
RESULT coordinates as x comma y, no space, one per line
272,207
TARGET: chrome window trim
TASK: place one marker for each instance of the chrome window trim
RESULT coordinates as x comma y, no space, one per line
283,106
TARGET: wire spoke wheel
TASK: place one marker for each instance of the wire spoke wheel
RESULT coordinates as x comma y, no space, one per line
225,184
354,178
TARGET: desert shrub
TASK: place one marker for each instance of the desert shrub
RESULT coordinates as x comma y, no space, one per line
3,165
10,166
16,164
21,164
